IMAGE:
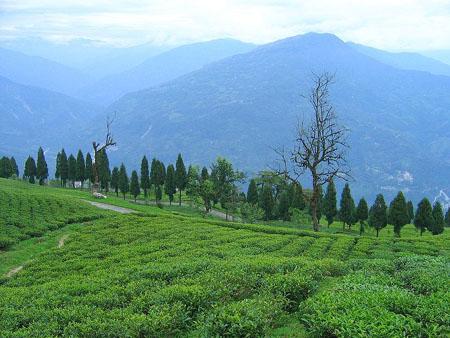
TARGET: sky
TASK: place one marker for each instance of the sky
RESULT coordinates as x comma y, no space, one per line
396,25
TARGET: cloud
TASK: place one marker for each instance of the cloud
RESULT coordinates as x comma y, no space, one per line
393,25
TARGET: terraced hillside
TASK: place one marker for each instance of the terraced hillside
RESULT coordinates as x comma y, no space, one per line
156,274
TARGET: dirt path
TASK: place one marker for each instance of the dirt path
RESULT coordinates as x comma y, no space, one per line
14,271
62,240
111,207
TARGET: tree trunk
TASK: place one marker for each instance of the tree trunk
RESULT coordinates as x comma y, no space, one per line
377,231
180,198
314,203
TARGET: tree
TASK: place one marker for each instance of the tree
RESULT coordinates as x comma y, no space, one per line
319,146
438,217
283,206
298,200
115,180
423,219
6,170
447,217
41,168
180,175
124,184
252,193
251,212
346,207
134,185
398,213
64,168
14,167
100,151
319,206
58,166
378,214
72,172
145,178
362,214
30,170
267,202
158,194
89,174
410,208
170,185
204,175
157,176
329,203
81,168
104,173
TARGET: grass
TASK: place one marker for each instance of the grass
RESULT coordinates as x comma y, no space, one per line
166,273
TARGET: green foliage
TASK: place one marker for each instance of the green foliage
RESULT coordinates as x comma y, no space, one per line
180,175
81,167
170,183
72,169
135,189
347,207
410,207
252,192
447,218
398,213
115,180
6,167
283,206
438,219
104,173
145,176
124,183
423,219
378,214
63,168
29,173
330,203
298,200
89,173
251,212
41,167
267,202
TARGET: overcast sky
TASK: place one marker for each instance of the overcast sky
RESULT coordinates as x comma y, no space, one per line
387,24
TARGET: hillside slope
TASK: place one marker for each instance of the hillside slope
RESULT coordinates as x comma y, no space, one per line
243,105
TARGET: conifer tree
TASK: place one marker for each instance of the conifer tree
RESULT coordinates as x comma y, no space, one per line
204,175
58,166
145,178
398,213
283,206
362,214
30,170
14,167
72,169
378,214
330,203
104,173
89,173
41,167
180,176
170,186
438,218
423,219
158,194
64,168
252,193
346,207
81,168
266,201
298,200
5,167
124,184
410,208
135,190
447,218
115,180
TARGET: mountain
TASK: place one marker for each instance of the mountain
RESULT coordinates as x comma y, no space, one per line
410,61
241,106
441,55
162,68
31,117
89,56
37,71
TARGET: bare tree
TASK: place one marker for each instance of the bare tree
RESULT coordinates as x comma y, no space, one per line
319,145
98,148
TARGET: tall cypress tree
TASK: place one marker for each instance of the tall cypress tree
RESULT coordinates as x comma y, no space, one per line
362,214
115,180
135,189
64,168
30,170
346,207
145,178
438,217
170,186
5,167
41,168
329,203
252,193
180,176
104,173
88,173
81,168
204,175
72,170
58,166
124,184
14,167
267,202
283,206
398,213
423,219
447,217
298,200
378,214
410,208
